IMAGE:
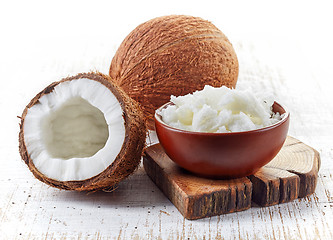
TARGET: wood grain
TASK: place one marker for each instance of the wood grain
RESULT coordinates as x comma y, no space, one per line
291,174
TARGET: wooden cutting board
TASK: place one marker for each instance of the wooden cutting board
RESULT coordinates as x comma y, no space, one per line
290,175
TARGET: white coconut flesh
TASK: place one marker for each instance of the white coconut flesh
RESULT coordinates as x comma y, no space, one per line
76,131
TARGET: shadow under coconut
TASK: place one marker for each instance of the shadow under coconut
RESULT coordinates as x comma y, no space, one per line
136,191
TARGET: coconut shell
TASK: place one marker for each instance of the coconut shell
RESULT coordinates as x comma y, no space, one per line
172,55
129,156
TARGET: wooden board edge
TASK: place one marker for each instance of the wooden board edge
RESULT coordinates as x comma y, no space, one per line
162,181
264,192
308,181
236,199
273,186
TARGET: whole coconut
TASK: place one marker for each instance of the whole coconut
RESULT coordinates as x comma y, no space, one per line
172,55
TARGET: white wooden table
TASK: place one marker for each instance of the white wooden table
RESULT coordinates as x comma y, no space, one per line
137,209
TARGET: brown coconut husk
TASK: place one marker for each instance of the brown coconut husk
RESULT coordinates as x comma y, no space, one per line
129,156
172,55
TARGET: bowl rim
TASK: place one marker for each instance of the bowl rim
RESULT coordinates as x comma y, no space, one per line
158,118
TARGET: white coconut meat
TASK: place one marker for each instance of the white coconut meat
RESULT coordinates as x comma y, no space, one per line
76,131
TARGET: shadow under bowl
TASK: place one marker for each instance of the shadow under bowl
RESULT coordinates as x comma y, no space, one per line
223,155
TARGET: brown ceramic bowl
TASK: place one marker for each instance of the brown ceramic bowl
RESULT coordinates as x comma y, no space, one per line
223,155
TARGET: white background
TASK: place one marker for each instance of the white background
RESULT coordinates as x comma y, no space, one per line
43,41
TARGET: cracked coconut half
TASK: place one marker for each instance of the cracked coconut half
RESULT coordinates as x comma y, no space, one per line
82,133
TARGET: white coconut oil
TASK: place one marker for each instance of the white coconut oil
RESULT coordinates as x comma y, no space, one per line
220,110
